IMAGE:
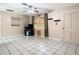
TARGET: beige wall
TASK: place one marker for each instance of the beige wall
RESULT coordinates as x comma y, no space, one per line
7,29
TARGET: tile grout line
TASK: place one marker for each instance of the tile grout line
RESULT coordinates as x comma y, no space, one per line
54,45
58,49
17,49
76,50
24,48
67,48
37,51
20,43
6,47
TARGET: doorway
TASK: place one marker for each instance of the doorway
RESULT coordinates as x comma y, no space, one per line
40,23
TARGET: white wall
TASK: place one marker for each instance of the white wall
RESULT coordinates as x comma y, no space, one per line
30,19
55,31
69,20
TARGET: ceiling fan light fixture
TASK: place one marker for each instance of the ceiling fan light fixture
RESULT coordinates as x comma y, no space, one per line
24,4
35,8
36,11
30,6
9,10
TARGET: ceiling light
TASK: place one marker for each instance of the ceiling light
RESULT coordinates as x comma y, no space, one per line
30,9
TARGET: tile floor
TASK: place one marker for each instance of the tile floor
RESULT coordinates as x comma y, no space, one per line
36,46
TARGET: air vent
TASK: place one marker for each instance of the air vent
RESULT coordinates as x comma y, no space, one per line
24,4
9,10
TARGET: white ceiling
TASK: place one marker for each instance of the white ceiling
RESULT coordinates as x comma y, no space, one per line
52,6
43,7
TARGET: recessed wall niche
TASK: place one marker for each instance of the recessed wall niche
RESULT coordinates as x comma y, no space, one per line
15,21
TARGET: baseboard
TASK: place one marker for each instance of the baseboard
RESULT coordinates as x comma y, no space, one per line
21,35
12,36
54,38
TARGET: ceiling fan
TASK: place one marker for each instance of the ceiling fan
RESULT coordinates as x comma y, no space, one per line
31,8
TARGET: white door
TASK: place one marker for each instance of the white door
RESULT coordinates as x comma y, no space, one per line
75,26
71,27
0,26
66,28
